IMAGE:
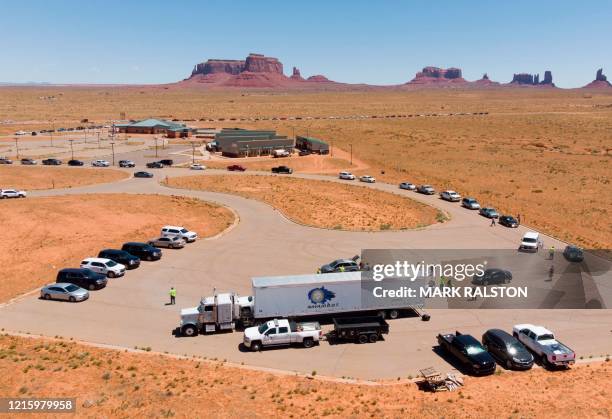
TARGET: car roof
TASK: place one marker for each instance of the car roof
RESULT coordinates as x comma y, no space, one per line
531,235
501,334
75,270
102,260
113,251
135,244
174,227
538,330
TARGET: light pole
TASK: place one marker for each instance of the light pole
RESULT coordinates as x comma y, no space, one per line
351,154
71,150
98,139
192,152
113,148
52,129
17,147
155,138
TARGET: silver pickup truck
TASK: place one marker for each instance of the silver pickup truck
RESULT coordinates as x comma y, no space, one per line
542,342
282,332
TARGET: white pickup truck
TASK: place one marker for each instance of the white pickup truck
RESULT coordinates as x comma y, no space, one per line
542,342
282,332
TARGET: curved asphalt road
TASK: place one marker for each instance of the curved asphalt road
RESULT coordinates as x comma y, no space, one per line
131,311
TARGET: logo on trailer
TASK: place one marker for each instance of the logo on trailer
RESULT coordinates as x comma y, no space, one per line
320,295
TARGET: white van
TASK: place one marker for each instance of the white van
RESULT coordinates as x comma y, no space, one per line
530,242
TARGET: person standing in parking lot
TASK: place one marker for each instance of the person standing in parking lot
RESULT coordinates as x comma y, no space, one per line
172,296
518,218
492,222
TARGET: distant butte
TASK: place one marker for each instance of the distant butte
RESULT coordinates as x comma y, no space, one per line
600,82
526,79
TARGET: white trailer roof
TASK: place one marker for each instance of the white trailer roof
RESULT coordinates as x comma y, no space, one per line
311,279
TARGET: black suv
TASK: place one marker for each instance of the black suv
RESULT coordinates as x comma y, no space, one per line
167,162
121,256
508,351
83,277
51,162
155,165
282,169
75,163
142,250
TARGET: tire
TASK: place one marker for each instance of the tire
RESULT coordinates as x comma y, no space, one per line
189,330
111,274
372,338
255,346
362,339
91,287
394,314
308,343
425,317
71,299
382,313
47,297
149,258
508,364
544,362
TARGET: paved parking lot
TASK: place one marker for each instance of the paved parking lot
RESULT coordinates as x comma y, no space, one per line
132,310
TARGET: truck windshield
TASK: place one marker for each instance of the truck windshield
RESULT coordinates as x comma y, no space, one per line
262,328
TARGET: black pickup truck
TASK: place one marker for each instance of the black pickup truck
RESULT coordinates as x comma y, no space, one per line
362,329
469,352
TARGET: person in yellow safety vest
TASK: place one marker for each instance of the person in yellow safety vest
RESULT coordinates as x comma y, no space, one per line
172,295
318,271
342,268
551,252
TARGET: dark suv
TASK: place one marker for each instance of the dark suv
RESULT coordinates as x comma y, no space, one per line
492,276
121,256
507,349
83,277
167,162
142,250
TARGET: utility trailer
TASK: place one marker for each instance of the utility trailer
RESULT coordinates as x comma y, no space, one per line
294,297
362,329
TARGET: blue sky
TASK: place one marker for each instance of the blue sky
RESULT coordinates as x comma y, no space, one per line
383,42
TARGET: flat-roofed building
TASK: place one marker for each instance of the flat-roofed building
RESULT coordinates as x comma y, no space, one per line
243,143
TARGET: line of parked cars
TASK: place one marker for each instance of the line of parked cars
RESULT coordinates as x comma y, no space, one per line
349,176
74,284
517,351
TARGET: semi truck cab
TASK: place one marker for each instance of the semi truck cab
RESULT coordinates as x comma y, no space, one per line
217,312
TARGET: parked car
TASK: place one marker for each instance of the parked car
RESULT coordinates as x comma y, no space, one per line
34,133
470,203
426,189
126,163
167,162
181,232
507,349
279,332
305,153
4,160
84,278
28,162
143,174
12,193
340,265
155,165
573,253
121,256
367,179
168,242
282,170
346,176
450,196
492,276
51,162
488,212
100,163
197,166
468,351
530,242
142,250
21,133
75,163
64,291
543,344
508,221
408,186
104,266
236,168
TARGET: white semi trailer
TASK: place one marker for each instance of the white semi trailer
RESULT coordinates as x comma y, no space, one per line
298,296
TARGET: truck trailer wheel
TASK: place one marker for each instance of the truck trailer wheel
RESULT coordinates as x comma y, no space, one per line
425,317
363,338
373,338
393,314
190,330
308,343
382,313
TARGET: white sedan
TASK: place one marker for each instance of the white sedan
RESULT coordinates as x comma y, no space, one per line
367,179
197,166
451,196
346,176
100,163
408,186
12,193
